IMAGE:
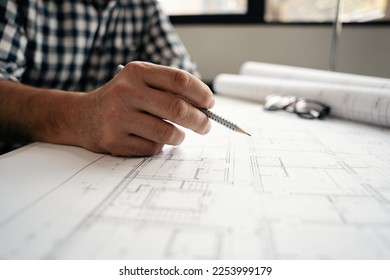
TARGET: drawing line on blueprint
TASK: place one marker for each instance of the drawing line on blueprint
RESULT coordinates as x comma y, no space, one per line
259,163
283,193
32,203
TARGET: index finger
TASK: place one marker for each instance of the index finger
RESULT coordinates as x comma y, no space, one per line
175,81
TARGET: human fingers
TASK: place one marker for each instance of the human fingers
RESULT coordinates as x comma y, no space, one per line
133,145
113,125
172,80
135,136
171,107
154,129
159,102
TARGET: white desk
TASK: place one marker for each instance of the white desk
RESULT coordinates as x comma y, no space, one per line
296,189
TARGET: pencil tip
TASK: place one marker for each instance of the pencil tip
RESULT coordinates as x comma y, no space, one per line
243,131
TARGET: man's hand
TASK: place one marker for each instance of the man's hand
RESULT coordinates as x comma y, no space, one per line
132,115
129,115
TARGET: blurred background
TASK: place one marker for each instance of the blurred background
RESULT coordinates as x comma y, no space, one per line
222,34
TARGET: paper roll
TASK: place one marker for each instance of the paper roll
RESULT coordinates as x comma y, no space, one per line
364,104
260,69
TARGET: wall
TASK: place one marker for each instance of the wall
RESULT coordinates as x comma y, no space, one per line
218,49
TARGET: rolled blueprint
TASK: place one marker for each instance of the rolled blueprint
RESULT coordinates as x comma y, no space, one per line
358,103
260,69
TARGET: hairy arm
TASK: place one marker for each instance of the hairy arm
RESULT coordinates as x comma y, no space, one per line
125,117
34,114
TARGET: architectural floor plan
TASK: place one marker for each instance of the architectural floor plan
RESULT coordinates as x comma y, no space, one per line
296,189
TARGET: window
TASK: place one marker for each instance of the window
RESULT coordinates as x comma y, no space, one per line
204,7
325,10
275,11
214,11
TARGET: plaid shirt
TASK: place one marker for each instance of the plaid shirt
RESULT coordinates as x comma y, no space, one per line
77,45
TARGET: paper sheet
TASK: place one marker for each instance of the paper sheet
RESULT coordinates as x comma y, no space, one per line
296,189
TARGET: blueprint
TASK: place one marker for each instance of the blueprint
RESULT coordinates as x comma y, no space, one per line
354,97
296,189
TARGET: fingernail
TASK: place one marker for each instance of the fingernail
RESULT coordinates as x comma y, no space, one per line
208,127
212,103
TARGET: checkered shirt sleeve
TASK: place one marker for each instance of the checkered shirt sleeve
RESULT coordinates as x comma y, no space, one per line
77,45
13,42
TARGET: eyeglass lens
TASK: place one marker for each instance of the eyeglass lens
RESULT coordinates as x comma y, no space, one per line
307,109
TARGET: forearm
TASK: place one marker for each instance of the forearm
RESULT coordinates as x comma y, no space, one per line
33,114
125,117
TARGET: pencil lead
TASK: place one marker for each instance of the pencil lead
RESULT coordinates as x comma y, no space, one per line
242,131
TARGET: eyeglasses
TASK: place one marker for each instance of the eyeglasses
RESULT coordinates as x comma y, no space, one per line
304,108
